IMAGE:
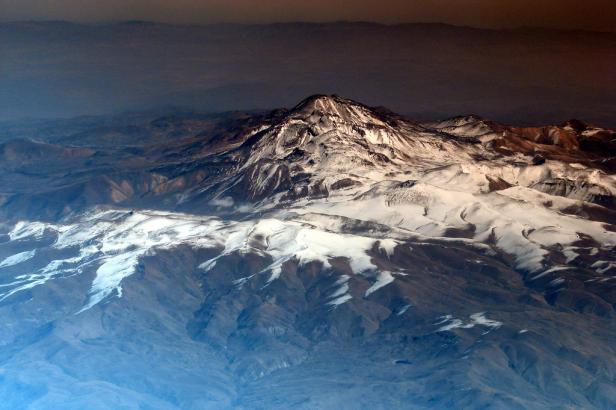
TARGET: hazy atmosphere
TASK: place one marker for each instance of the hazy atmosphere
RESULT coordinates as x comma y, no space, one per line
564,14
424,71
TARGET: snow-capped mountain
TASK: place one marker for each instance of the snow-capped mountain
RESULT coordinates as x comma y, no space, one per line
279,247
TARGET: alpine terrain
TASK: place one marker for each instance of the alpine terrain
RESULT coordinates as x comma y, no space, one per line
330,256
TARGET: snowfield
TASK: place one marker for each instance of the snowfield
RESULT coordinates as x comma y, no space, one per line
334,179
112,241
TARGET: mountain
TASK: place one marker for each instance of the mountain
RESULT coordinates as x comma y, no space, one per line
332,255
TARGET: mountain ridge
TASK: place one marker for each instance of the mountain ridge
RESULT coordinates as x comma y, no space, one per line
306,257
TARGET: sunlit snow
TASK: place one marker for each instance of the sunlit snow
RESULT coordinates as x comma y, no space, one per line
112,241
476,319
17,258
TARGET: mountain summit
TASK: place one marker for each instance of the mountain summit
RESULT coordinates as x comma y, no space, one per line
292,258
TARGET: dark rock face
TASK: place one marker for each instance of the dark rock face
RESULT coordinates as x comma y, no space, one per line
332,256
582,190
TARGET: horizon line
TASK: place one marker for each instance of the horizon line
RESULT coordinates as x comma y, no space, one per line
110,23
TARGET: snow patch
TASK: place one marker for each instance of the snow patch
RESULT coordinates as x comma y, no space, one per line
24,229
384,278
341,295
403,310
476,319
17,259
226,202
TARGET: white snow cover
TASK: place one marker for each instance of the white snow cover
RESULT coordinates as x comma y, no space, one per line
469,126
384,278
603,266
403,310
112,241
516,219
17,258
27,230
341,295
286,240
417,180
476,319
410,182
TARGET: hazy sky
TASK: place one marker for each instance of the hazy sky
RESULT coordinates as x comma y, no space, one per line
585,14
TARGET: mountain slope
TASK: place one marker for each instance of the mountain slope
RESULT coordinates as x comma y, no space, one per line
309,257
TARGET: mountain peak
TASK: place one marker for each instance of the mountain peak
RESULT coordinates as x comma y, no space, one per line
320,101
317,106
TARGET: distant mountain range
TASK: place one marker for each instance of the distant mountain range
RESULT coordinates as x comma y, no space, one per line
332,255
426,71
